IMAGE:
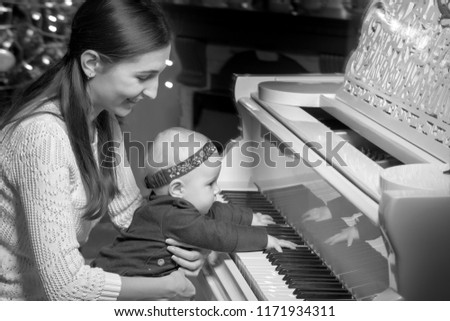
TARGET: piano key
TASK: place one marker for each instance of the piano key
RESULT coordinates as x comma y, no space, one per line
298,251
258,268
303,261
299,271
322,284
275,272
322,295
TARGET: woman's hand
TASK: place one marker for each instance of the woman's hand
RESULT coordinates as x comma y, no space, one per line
184,288
191,261
175,286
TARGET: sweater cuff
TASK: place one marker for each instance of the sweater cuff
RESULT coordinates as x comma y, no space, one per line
254,239
247,216
112,287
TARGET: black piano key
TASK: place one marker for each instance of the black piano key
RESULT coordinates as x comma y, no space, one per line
280,230
320,295
300,272
309,284
316,279
293,239
318,288
273,214
295,257
298,262
276,233
312,270
293,261
299,250
299,241
255,205
306,277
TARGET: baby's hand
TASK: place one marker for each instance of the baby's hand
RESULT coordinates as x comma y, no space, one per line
262,219
347,234
277,244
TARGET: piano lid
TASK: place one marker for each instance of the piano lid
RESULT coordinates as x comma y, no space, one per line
399,75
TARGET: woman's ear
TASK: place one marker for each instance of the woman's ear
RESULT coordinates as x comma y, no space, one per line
176,188
90,63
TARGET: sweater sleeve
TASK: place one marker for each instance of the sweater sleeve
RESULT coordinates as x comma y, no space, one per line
202,231
231,213
42,168
122,207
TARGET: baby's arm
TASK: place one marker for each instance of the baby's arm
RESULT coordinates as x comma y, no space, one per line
231,213
239,215
191,227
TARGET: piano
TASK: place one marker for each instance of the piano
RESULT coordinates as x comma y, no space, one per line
313,151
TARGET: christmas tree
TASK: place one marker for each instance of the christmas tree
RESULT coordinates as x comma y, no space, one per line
33,36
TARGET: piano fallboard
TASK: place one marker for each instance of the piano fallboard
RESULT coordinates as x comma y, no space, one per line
304,274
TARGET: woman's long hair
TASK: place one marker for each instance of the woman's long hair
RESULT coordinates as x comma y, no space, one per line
116,30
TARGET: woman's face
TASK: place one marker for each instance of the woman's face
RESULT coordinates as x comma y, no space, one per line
120,86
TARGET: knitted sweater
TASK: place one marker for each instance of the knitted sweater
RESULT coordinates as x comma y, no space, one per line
41,208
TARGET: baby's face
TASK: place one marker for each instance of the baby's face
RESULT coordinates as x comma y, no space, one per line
201,185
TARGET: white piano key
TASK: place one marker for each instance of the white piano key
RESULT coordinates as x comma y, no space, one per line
268,280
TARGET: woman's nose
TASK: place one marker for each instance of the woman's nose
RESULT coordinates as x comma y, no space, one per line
151,91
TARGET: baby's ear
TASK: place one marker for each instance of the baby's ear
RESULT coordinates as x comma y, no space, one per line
176,188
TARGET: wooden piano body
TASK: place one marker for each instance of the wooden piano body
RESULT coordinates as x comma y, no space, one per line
317,149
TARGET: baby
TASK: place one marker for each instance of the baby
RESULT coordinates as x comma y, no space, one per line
183,167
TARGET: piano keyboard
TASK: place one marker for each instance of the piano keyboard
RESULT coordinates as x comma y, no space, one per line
291,275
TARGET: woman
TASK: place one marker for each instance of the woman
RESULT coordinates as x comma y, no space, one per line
59,172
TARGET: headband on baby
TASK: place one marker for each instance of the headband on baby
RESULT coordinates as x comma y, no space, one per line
165,176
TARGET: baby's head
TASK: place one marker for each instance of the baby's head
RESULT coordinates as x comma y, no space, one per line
185,164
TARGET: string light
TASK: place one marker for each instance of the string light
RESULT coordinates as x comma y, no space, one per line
36,16
46,61
31,45
28,66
